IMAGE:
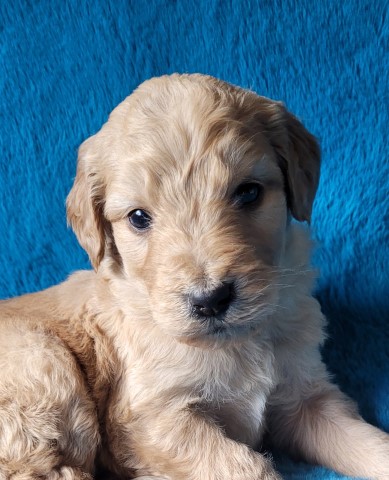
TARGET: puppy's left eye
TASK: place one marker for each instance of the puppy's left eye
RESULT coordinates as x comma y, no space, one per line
139,219
248,194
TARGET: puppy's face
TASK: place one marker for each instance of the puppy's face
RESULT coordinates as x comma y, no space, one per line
186,191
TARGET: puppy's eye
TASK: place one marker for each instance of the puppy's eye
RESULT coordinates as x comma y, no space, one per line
248,194
139,219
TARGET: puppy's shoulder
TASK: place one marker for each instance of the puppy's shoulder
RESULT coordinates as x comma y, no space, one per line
61,301
60,319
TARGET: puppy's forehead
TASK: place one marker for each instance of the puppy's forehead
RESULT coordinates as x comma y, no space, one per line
181,116
185,133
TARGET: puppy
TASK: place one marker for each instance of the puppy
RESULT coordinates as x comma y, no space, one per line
197,331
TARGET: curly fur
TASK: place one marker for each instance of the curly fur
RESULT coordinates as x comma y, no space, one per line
112,369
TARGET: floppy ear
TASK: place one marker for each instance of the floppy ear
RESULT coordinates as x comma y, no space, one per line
299,159
85,204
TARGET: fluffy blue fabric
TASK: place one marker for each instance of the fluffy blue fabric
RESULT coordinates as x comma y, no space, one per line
65,65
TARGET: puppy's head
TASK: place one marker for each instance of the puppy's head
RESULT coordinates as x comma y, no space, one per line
186,193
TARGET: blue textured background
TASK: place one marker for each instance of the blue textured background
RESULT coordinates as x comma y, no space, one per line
65,65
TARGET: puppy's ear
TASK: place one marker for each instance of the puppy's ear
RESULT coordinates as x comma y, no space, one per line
299,159
85,204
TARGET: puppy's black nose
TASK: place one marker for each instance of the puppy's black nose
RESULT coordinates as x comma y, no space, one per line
214,302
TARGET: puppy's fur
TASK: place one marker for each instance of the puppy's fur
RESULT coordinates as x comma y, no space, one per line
115,368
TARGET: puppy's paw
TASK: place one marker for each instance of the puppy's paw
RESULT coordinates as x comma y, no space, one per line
68,473
273,475
260,469
61,473
151,477
270,474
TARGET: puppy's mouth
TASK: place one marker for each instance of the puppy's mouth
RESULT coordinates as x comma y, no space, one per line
215,325
225,331
233,325
215,332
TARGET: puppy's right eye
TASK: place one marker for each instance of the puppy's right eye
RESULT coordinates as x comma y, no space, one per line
139,219
248,194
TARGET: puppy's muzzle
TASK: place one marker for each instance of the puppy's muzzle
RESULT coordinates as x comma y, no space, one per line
212,303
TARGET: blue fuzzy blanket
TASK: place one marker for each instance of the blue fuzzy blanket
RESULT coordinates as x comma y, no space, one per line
66,64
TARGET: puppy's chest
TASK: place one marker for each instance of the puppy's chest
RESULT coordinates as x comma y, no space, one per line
232,386
238,400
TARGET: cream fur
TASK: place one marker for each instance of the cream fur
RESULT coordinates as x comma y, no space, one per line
112,370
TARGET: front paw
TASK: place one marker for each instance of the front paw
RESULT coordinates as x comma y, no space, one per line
151,477
269,474
258,468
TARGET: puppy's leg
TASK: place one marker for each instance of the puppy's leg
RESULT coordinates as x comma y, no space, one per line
63,473
323,427
148,477
183,442
48,424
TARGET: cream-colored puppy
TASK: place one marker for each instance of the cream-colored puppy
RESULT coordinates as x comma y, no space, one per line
197,330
